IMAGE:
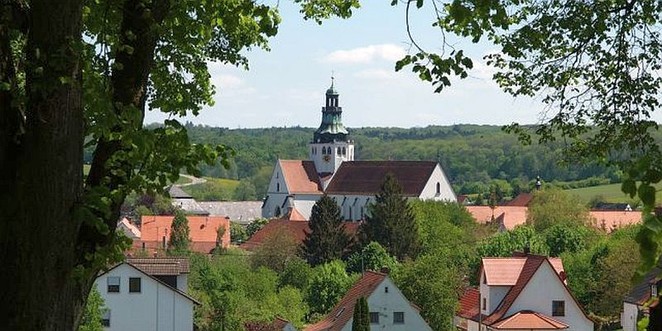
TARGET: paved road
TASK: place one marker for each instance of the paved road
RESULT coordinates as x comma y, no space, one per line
193,180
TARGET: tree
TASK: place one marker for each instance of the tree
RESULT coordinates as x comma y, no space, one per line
593,64
179,234
372,257
276,251
361,316
327,239
94,312
391,222
522,238
245,191
60,91
553,206
327,286
255,226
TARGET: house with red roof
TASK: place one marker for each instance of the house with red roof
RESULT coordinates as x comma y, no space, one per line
278,324
296,185
155,233
636,301
389,309
523,292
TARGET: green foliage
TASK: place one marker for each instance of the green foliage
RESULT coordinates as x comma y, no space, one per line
297,273
327,286
93,313
238,232
327,239
255,225
553,206
520,239
214,189
137,205
179,234
361,315
231,293
372,257
276,251
245,191
561,238
434,284
390,221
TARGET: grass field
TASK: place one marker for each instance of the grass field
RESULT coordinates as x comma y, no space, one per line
609,193
215,189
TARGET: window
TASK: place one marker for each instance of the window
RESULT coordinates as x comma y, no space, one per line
398,317
338,151
105,320
385,289
653,290
344,151
558,308
134,285
374,318
438,188
484,303
113,284
277,187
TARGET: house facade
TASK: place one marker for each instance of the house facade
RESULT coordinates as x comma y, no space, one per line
138,300
523,292
389,308
332,170
635,303
204,233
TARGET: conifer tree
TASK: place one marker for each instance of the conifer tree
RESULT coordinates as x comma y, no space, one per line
327,239
391,221
179,233
361,317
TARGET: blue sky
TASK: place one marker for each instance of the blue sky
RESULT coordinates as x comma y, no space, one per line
285,87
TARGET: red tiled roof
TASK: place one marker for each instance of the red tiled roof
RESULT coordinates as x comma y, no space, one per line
508,216
300,176
469,302
295,215
202,232
343,311
529,268
157,266
522,200
505,271
366,177
277,324
296,229
529,320
610,220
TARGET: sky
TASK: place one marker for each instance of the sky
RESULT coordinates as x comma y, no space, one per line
285,86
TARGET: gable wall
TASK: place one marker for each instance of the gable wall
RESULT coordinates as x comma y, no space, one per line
445,189
544,287
156,306
388,303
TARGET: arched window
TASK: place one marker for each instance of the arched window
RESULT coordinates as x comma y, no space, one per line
277,187
323,150
438,188
338,151
344,151
277,211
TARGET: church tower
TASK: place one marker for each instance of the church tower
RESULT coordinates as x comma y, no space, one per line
331,145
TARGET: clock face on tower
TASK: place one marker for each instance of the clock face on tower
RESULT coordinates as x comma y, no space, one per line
327,158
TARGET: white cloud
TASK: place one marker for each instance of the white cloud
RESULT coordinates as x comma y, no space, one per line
226,81
389,52
377,74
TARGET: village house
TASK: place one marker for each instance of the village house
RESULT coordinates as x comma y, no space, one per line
635,304
332,170
204,233
147,294
389,309
295,229
523,292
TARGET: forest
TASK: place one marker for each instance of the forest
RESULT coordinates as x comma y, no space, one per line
474,157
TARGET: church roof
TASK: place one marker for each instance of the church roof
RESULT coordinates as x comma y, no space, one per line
301,176
366,177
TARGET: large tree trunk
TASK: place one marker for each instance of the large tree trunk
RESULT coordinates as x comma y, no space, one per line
43,182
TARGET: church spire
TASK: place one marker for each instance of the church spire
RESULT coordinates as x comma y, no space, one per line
331,129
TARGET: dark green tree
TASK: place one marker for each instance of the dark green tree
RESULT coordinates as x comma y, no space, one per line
390,221
179,234
327,239
361,316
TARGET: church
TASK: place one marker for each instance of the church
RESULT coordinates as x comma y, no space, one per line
296,185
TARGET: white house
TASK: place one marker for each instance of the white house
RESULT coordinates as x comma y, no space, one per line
389,309
522,292
296,185
634,304
147,294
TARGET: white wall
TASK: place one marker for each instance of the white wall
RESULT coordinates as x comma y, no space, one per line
386,304
629,316
430,190
544,287
351,209
157,307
